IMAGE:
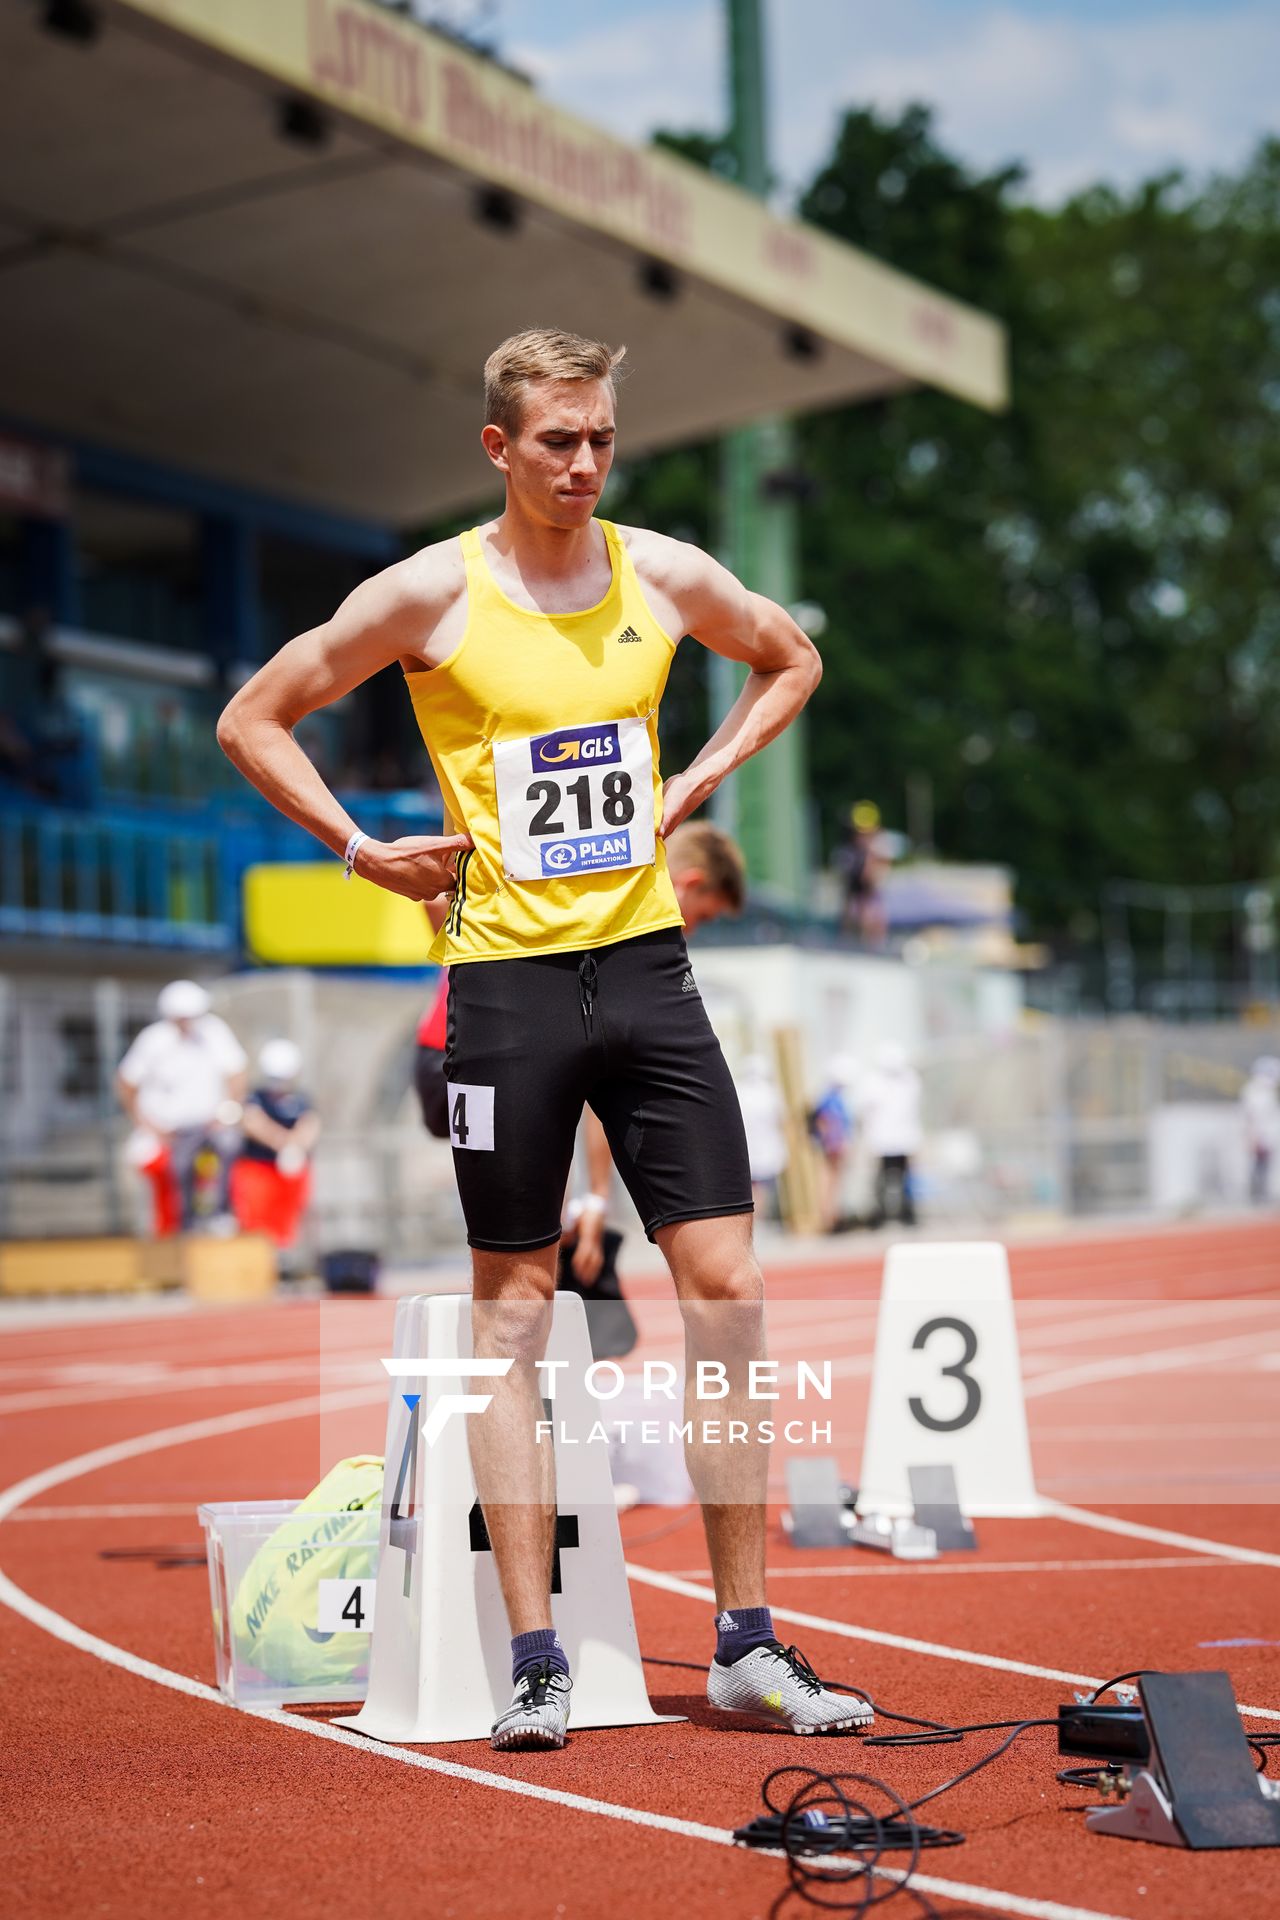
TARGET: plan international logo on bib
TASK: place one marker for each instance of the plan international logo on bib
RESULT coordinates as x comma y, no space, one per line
571,747
586,851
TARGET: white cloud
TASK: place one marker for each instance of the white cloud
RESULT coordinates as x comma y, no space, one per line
1111,95
653,68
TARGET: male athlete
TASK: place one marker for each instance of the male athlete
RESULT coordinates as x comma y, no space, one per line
536,649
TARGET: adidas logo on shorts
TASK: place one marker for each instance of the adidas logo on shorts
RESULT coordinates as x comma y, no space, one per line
628,637
689,984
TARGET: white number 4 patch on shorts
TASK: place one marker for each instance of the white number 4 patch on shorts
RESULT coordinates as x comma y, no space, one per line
471,1117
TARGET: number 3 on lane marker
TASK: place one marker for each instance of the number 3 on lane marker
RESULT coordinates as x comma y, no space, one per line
946,1384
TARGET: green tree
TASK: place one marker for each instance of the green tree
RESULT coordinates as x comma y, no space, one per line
1065,616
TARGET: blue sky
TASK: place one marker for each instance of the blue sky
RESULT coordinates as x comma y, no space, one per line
1079,90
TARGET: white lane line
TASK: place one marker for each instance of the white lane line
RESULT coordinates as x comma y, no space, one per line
910,1569
1187,1430
1085,1326
247,1373
1124,1366
143,1510
990,1899
1160,1536
669,1583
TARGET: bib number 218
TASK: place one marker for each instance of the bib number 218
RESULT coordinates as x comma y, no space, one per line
617,808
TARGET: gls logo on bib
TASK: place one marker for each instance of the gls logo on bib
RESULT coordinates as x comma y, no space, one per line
575,746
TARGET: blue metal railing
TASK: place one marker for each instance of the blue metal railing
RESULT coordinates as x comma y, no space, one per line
158,876
86,876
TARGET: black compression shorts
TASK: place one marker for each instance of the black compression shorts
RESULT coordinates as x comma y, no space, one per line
622,1029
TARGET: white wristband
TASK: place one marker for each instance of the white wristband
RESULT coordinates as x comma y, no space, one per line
354,845
593,1203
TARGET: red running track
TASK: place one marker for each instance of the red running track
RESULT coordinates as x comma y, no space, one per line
132,1789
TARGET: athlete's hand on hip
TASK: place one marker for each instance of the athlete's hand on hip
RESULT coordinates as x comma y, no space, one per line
682,795
421,866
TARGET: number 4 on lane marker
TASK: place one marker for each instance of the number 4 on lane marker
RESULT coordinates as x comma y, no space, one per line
346,1606
946,1385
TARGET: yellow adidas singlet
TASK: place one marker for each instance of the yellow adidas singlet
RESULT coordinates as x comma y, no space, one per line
543,732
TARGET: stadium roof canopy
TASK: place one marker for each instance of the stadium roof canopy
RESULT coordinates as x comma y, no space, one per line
272,240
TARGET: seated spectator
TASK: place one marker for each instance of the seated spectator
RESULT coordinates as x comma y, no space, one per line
271,1180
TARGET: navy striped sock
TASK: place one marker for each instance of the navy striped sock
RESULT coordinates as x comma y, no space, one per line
741,1630
529,1650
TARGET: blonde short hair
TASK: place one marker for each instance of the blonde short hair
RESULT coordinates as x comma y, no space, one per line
699,844
541,353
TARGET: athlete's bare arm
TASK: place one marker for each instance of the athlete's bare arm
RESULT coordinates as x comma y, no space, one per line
692,593
413,612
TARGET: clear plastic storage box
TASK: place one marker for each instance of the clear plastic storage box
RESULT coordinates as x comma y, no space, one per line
267,1561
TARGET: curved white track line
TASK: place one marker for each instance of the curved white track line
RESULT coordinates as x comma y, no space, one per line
55,1624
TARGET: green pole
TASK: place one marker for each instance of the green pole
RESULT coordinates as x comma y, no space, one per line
763,804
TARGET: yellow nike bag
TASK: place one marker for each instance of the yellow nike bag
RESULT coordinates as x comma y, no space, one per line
332,1535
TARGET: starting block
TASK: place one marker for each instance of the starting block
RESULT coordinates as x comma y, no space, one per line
1199,1788
936,1503
822,1515
440,1650
817,1516
894,1534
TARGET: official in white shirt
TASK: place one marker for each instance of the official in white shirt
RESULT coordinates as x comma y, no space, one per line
889,1107
180,1083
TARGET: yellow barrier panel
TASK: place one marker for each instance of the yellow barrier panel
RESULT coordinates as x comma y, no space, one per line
309,915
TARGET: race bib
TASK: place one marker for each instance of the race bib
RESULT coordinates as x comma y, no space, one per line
575,801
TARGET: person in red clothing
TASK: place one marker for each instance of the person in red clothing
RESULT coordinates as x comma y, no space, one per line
271,1180
432,1037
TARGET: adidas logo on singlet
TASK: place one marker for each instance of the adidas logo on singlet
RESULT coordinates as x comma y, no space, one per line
628,637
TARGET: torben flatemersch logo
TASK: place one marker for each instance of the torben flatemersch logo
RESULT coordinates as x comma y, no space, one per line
447,1404
575,746
604,1380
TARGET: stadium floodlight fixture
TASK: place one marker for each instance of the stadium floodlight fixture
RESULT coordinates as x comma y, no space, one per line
303,122
73,19
799,344
658,280
495,208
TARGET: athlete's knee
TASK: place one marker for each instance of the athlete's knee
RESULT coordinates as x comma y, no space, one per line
713,1259
723,1311
511,1305
511,1330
